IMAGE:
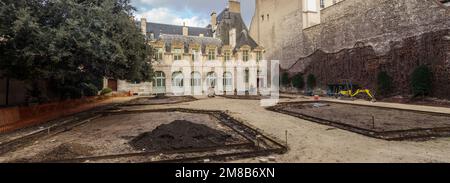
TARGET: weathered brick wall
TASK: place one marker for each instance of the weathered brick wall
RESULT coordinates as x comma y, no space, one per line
361,64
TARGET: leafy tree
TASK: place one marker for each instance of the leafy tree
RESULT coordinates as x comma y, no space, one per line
285,81
89,89
71,42
384,83
421,81
105,91
298,81
311,81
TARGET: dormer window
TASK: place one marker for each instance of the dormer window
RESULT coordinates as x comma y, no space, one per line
211,54
245,56
159,54
227,55
177,54
195,53
258,56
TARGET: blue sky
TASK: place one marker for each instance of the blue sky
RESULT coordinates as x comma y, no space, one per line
192,12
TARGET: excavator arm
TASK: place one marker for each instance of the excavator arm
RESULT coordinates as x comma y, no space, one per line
351,94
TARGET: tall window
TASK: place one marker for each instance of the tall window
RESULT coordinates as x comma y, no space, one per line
311,5
195,52
177,79
258,56
212,54
247,76
227,79
322,3
196,79
227,55
158,54
177,53
245,55
159,80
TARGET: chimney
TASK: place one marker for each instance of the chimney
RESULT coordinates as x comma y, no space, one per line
185,30
232,37
144,26
234,6
213,19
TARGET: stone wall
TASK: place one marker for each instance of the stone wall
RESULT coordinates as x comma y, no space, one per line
375,23
361,64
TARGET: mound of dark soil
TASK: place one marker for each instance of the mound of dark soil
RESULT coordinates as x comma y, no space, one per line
179,135
65,151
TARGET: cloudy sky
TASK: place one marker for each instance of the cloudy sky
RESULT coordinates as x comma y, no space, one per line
194,12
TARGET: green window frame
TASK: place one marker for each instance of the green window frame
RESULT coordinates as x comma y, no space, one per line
211,54
245,55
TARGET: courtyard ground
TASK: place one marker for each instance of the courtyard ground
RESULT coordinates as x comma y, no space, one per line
308,141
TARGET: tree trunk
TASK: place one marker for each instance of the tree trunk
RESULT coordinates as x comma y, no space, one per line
7,92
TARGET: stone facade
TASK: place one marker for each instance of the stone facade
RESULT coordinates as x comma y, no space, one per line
186,58
355,39
342,25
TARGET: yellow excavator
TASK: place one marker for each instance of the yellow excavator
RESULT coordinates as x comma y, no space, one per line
348,89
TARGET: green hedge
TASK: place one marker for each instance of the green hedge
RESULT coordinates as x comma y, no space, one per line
311,81
298,81
384,84
105,91
89,90
285,81
421,81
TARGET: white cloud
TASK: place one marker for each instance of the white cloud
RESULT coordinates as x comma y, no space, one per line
167,16
194,12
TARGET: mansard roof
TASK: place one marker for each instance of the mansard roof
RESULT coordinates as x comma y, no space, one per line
244,39
188,40
226,21
158,29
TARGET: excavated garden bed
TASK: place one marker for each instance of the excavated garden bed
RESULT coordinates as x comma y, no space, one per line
379,122
251,97
160,135
159,100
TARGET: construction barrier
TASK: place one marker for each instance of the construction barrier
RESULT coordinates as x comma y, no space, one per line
14,118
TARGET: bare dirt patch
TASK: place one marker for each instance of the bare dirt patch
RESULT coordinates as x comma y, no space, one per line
63,151
158,100
147,136
180,134
386,123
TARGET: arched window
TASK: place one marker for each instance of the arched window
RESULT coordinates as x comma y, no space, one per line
177,79
211,79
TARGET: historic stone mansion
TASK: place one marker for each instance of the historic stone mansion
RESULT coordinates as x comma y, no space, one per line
194,60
